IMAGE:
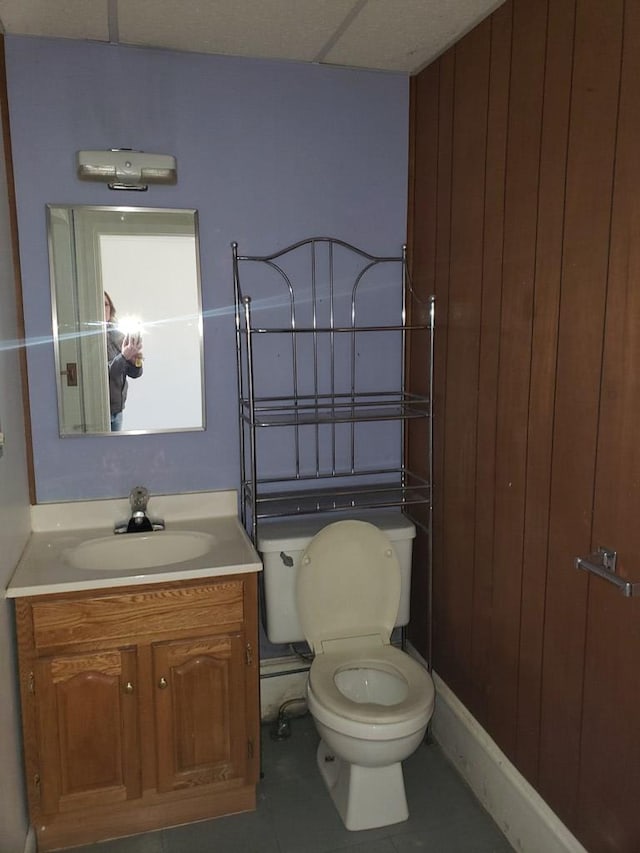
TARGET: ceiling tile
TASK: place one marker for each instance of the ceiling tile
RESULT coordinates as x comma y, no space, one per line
390,35
81,19
403,36
289,29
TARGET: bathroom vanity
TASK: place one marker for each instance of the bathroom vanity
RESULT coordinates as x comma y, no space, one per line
140,690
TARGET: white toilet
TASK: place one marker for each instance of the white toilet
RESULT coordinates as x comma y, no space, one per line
370,701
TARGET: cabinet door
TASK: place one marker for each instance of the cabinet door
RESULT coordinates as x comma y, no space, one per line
200,711
87,730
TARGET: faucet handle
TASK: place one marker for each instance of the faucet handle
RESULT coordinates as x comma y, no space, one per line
139,498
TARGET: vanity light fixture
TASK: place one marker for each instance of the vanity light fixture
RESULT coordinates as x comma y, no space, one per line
125,169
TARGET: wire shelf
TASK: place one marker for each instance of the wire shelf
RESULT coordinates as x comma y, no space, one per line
309,347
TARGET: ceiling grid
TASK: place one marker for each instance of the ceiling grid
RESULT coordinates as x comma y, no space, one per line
384,35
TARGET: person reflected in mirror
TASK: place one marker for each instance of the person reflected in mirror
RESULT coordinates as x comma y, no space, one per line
124,360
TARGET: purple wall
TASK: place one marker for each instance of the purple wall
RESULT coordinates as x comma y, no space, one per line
268,153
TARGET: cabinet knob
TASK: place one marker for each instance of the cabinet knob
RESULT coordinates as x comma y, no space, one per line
163,683
128,688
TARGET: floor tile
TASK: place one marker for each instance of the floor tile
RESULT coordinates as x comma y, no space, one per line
295,813
383,845
251,832
435,791
452,839
289,759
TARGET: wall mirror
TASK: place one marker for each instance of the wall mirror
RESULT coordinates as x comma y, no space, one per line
146,260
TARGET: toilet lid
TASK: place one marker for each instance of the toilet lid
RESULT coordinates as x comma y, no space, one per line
348,584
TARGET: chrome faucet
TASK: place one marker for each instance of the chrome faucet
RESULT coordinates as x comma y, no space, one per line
139,521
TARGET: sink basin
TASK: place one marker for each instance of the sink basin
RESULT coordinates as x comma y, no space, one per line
136,551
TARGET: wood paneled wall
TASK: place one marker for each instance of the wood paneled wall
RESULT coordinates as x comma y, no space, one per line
517,134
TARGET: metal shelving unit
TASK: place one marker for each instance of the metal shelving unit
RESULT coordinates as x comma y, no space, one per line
316,432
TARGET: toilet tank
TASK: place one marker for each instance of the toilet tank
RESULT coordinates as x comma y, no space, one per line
281,544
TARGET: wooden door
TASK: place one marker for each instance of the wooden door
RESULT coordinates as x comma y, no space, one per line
201,714
537,404
609,781
87,730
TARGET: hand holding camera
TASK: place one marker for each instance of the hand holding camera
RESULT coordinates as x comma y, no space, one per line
132,348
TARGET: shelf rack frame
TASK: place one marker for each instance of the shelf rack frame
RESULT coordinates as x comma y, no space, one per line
307,288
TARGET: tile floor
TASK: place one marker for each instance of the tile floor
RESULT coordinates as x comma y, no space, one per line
296,815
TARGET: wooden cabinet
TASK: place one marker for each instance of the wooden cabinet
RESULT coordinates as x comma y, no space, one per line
200,736
87,729
140,706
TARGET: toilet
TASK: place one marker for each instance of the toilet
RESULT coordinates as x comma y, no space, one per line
370,701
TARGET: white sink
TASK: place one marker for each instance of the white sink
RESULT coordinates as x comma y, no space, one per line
137,551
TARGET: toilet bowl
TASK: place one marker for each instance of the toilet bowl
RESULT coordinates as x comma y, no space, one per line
371,702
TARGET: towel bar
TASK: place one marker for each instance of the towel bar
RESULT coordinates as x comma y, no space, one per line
603,564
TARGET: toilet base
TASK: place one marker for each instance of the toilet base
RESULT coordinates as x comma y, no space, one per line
365,797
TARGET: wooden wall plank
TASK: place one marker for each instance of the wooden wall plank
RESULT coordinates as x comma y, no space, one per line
498,109
609,790
463,345
584,272
555,129
422,260
442,203
523,157
422,236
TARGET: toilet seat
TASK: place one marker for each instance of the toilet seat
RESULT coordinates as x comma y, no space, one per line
348,592
348,585
420,690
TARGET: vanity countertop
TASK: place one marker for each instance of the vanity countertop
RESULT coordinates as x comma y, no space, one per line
45,567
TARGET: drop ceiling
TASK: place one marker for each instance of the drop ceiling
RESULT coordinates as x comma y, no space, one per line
386,35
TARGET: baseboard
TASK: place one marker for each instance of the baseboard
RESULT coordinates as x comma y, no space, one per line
30,844
281,679
523,816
